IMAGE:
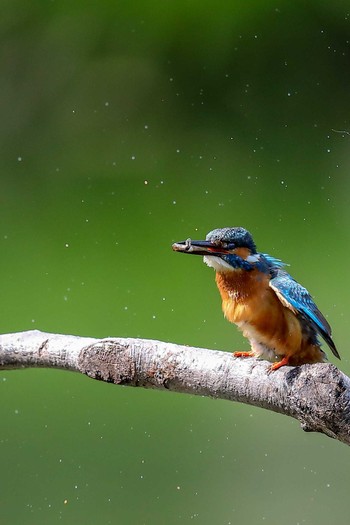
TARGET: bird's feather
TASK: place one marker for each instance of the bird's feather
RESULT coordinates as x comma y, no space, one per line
295,297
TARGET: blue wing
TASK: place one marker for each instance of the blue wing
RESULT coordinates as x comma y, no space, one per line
297,298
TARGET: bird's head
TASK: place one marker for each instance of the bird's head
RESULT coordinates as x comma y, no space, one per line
224,249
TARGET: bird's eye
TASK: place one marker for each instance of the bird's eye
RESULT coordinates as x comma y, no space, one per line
223,244
227,245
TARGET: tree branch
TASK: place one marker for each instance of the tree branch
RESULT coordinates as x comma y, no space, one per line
317,395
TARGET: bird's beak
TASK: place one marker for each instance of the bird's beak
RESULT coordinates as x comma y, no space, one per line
197,248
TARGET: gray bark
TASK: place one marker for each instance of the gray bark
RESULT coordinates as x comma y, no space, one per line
317,395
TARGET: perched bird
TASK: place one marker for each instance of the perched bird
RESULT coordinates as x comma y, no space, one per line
274,312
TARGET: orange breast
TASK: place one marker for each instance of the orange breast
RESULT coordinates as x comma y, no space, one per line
249,302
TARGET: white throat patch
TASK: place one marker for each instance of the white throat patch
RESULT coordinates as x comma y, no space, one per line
217,263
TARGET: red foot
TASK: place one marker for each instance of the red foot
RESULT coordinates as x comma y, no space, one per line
283,362
243,354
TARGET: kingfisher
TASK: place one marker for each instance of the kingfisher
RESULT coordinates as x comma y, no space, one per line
275,313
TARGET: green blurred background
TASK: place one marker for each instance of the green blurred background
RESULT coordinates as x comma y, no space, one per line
126,127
